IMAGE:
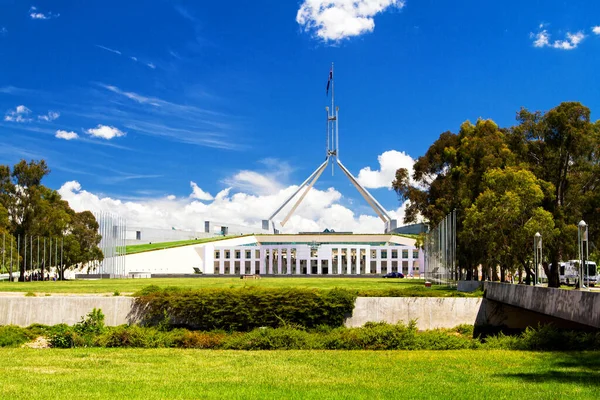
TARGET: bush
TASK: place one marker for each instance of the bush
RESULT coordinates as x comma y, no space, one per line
65,337
243,309
135,336
12,336
198,340
284,338
546,338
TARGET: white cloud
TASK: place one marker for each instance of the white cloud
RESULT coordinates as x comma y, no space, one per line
171,197
105,132
596,30
572,41
542,39
150,65
3,31
109,49
334,20
51,116
35,14
66,135
389,162
198,193
320,209
20,114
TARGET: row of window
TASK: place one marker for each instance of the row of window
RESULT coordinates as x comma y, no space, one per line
384,254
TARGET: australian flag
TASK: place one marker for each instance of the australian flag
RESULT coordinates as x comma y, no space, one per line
329,81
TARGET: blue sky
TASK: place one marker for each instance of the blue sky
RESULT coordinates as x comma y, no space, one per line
232,94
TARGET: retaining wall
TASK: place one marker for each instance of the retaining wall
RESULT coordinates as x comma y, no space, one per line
430,313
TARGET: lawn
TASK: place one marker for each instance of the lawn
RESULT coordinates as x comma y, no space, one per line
140,248
413,287
192,374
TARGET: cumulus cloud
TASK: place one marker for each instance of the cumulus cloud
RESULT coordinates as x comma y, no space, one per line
51,116
66,135
20,114
389,162
320,209
334,20
3,31
542,39
105,132
34,13
198,193
596,30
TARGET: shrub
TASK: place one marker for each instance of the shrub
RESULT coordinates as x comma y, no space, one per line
135,336
243,309
65,337
12,336
198,340
91,324
285,338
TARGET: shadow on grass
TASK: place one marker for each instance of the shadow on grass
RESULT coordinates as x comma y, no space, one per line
580,368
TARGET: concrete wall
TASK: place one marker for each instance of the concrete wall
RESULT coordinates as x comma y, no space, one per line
52,310
429,312
578,306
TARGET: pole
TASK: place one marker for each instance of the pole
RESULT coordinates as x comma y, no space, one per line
18,254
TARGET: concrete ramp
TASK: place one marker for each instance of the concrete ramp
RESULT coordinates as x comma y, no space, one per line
581,307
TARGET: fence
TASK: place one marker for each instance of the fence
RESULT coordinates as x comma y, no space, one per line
440,252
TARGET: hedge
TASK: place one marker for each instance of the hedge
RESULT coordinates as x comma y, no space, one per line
243,309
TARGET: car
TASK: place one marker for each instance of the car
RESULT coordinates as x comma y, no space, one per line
393,275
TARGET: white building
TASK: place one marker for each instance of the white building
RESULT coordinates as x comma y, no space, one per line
293,254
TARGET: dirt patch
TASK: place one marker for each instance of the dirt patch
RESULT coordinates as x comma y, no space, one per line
39,343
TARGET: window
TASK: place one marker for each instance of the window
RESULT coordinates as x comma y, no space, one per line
415,253
138,235
405,254
248,253
227,254
394,253
217,254
238,254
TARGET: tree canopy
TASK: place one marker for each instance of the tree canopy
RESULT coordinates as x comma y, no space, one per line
543,174
30,209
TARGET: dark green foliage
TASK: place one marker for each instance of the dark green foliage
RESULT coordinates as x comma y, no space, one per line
79,335
284,338
244,309
546,338
12,336
135,336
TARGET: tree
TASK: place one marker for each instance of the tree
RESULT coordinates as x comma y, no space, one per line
506,215
562,147
34,210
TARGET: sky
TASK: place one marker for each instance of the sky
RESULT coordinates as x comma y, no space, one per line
170,113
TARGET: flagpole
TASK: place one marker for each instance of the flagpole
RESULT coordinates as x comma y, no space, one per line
332,113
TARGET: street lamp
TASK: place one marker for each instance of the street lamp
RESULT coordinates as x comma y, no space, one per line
537,256
582,231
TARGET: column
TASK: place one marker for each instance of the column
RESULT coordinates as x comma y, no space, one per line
378,261
410,261
319,267
279,260
388,260
348,261
243,262
357,260
368,260
339,261
297,263
263,256
271,261
222,263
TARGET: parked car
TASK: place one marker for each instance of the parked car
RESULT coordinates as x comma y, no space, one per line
393,275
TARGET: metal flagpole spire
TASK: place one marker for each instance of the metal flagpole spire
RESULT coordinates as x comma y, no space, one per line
333,156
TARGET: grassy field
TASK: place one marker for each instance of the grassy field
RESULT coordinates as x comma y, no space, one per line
191,374
109,286
140,248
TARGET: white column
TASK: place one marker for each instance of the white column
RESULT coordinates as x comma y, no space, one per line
339,261
348,261
388,260
368,260
271,261
297,263
319,267
222,263
243,262
279,260
378,261
357,261
261,262
410,260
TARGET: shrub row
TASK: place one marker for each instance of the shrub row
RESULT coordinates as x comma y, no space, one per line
243,309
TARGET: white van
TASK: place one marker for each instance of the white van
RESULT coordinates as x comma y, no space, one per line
569,272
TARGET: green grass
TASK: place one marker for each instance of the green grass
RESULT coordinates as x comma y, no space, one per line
141,248
190,374
412,287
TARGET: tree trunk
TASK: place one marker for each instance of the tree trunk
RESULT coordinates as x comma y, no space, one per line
502,274
553,270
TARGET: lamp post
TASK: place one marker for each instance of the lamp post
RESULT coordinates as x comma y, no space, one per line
582,230
537,256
